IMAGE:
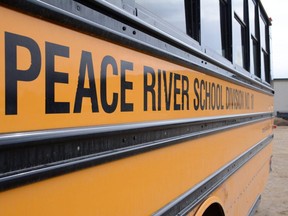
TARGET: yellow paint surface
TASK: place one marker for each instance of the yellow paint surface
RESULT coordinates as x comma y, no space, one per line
138,185
125,82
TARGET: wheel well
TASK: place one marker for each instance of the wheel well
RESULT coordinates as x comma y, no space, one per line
214,210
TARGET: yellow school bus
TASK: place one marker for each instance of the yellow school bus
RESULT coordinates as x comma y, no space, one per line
134,107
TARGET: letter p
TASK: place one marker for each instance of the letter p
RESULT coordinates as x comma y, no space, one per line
12,73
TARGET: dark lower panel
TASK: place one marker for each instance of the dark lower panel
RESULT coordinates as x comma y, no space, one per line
32,156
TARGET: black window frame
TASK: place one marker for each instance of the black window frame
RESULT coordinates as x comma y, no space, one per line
255,54
265,51
192,13
255,41
226,28
230,23
244,35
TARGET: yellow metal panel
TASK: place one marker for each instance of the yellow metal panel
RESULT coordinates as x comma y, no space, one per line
138,185
241,190
138,87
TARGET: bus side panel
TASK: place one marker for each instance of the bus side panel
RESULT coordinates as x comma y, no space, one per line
54,78
94,82
140,184
237,194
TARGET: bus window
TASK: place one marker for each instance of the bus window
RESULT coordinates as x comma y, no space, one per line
263,33
254,39
238,46
254,62
239,34
252,17
210,25
264,51
225,12
214,26
238,6
193,18
172,11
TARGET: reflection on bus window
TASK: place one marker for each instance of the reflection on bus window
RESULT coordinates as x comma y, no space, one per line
254,40
215,25
263,34
238,46
252,17
225,16
238,6
210,25
265,74
172,11
264,66
254,65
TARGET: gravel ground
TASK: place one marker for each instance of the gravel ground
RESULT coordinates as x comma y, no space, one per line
275,197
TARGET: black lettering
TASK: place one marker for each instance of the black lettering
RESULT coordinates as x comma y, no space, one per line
213,96
149,88
168,92
247,100
12,73
208,95
227,98
196,101
125,85
52,77
176,91
159,90
218,94
185,90
235,99
221,98
108,108
86,63
202,100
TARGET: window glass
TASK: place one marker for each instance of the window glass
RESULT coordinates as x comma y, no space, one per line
193,18
240,34
172,11
263,34
225,11
211,25
265,73
252,17
263,65
254,40
238,6
252,58
266,63
254,62
238,44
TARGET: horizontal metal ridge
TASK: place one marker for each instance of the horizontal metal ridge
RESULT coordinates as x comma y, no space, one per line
23,162
187,201
23,137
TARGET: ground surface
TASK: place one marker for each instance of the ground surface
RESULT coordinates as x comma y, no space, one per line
275,197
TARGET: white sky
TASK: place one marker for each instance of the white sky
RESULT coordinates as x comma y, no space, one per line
277,10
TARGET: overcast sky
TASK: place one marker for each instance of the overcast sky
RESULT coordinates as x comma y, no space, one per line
277,10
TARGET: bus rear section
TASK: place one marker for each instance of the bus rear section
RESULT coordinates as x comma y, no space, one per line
114,108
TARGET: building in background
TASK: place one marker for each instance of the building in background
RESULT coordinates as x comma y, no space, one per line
280,98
